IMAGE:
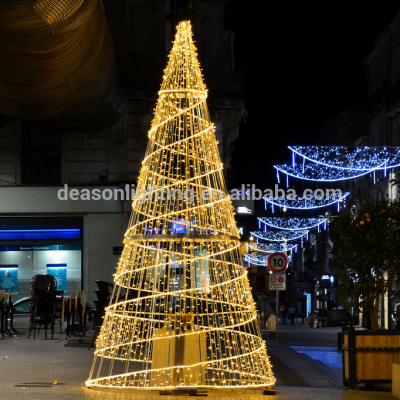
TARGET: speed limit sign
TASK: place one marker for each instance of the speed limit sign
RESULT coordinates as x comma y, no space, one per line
278,262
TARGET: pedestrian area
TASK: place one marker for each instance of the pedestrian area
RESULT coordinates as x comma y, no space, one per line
30,368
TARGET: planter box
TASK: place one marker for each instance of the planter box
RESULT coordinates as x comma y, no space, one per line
368,356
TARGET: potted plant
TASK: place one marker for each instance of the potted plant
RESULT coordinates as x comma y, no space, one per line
366,254
367,261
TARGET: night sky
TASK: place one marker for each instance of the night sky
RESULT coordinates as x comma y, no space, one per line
302,65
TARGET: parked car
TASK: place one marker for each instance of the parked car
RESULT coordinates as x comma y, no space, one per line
21,306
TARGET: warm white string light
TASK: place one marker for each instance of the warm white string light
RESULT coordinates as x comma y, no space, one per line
182,313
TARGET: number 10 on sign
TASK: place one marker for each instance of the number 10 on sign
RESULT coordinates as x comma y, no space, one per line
278,262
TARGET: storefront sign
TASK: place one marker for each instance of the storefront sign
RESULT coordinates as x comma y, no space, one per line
9,278
39,248
179,226
59,271
277,282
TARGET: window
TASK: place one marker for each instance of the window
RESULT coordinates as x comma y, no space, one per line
40,157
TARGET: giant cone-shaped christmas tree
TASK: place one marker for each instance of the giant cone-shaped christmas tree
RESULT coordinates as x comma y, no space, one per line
182,315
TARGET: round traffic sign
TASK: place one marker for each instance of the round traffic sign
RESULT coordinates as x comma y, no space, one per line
278,262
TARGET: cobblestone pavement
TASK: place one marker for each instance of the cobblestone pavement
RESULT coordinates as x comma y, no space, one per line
24,362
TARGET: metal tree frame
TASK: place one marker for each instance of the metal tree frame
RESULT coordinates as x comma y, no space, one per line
182,313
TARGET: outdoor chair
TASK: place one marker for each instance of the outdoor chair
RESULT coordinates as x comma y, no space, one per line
82,313
103,296
43,283
59,308
74,312
104,291
105,286
42,304
98,320
100,305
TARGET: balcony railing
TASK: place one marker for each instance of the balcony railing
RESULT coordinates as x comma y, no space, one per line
135,75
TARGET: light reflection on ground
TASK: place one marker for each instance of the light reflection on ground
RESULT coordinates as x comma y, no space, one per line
330,356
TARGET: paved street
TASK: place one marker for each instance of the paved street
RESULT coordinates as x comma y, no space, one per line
24,362
319,337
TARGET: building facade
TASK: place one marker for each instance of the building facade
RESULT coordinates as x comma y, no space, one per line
376,124
42,225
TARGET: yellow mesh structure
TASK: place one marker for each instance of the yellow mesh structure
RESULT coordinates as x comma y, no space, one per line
57,66
182,314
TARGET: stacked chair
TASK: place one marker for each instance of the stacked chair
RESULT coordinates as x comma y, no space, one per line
42,304
103,294
74,311
48,306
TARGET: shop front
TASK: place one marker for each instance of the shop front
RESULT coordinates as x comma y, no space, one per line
31,246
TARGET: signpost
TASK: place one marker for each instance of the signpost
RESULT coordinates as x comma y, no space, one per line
277,263
277,282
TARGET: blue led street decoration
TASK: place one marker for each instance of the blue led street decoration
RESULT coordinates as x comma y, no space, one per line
271,247
305,203
292,224
319,164
337,163
348,157
319,173
258,259
279,236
